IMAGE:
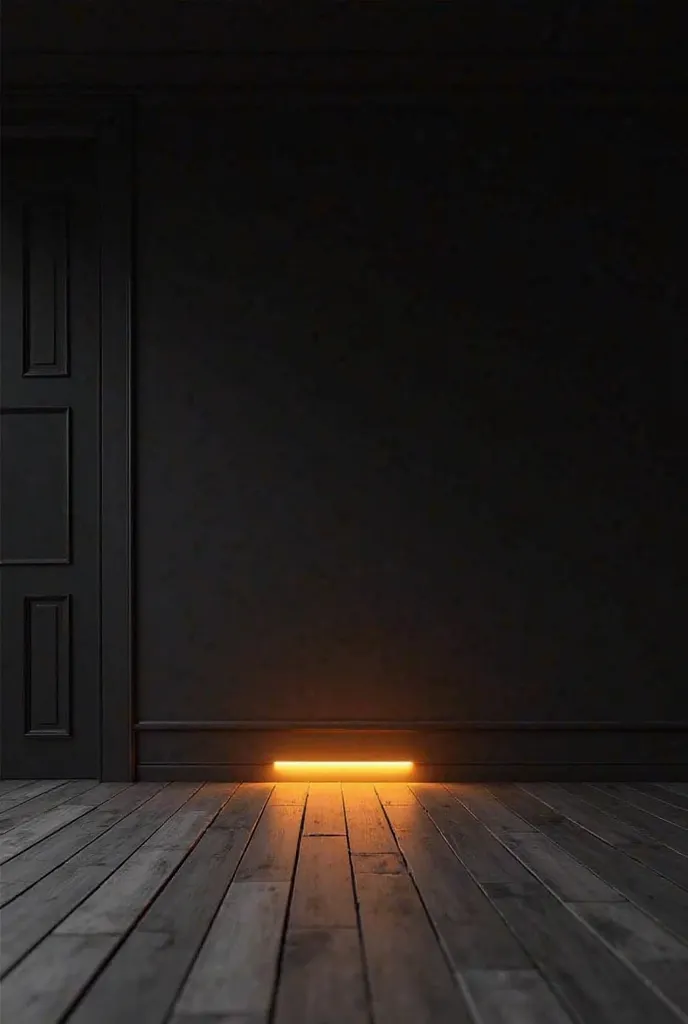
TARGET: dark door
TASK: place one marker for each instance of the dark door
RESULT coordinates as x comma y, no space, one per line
50,479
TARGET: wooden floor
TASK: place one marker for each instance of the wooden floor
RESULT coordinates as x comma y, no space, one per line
329,904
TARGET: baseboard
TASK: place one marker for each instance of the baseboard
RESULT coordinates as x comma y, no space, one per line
441,751
427,773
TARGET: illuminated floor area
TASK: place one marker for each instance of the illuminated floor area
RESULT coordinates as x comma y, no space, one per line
353,903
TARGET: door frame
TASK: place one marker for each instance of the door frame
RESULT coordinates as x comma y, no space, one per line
108,120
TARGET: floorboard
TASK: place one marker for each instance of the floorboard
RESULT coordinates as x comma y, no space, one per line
26,791
37,806
24,870
322,972
353,903
658,896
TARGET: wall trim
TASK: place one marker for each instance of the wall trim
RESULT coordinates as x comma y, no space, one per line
441,751
405,726
468,772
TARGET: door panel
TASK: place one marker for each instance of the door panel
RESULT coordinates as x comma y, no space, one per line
50,479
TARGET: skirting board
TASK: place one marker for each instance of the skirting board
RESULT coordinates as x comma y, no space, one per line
485,751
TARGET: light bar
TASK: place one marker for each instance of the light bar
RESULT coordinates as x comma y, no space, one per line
328,766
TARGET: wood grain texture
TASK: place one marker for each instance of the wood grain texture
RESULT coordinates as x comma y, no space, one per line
480,802
21,794
410,980
9,785
658,896
324,810
146,972
645,798
29,917
585,974
237,965
656,954
421,904
649,824
323,894
40,804
513,997
367,826
472,931
664,795
22,871
322,980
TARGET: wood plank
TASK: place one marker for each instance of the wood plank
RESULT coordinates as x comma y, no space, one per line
24,812
477,849
28,791
559,872
324,810
652,950
676,787
583,813
323,896
410,980
367,827
322,975
38,990
408,817
631,841
657,896
271,854
667,796
643,796
29,917
487,809
513,997
437,799
529,807
586,976
236,967
121,840
187,825
657,847
661,859
472,931
23,837
395,794
19,874
142,979
378,864
289,794
114,907
240,812
649,824
9,785
322,979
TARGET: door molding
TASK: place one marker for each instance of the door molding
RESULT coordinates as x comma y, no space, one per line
108,120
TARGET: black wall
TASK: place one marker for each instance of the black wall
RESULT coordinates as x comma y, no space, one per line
410,382
408,379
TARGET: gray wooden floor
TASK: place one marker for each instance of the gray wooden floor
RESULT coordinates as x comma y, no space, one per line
328,904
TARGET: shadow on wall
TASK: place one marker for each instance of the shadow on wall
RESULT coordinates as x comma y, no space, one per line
408,411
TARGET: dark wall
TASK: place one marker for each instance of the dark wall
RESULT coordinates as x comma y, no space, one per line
410,388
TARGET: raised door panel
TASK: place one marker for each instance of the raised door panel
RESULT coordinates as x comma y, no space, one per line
50,470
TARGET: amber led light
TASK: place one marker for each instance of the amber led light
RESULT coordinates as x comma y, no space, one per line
307,766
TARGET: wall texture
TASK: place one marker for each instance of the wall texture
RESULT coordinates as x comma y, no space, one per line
409,380
410,385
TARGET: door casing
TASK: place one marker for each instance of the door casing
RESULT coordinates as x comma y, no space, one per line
108,121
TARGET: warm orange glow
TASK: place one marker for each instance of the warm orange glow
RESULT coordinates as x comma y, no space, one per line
368,766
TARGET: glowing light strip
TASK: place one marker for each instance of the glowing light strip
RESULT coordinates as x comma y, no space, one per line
384,766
